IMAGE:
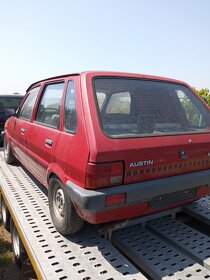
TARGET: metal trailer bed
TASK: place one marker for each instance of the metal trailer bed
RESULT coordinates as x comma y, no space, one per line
161,246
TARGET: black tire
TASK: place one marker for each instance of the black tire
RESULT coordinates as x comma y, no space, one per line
63,214
8,155
19,251
5,215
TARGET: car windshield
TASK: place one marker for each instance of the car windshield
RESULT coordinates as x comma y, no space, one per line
138,108
9,104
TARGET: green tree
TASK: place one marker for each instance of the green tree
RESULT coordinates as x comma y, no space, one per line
205,94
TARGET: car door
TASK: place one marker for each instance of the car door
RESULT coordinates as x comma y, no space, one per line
44,130
22,126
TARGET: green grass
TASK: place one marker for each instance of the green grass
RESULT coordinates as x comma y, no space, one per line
5,258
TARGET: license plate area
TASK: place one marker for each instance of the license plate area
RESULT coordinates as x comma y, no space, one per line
167,199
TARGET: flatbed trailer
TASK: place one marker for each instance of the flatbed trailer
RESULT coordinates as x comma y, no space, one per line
173,244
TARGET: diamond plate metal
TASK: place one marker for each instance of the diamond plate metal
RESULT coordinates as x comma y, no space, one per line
159,259
84,256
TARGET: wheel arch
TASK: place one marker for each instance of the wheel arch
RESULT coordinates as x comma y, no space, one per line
70,222
54,170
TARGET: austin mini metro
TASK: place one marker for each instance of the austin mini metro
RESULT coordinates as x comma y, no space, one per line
111,146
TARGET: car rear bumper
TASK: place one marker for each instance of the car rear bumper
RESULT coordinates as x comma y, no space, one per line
94,200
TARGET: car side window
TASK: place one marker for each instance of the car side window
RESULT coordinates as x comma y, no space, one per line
48,112
28,105
70,116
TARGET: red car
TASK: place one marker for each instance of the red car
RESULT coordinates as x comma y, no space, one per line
111,146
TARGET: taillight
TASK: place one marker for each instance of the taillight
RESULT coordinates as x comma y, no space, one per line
101,175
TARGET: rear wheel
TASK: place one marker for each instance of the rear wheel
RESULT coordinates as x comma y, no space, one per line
63,213
8,155
17,246
5,215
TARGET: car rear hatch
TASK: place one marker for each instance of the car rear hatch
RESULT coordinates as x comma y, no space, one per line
155,128
166,156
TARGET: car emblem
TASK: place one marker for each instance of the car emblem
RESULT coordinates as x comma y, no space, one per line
141,163
182,154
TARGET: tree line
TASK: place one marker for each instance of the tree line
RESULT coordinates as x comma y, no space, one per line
205,94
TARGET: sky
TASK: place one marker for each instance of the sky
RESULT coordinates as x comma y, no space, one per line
44,38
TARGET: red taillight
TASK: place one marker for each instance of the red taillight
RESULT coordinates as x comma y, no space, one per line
115,199
100,175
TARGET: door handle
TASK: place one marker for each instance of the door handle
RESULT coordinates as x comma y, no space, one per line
49,142
22,130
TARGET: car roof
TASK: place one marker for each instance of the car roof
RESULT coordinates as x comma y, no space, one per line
109,73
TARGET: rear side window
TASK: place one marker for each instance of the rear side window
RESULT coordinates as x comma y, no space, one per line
70,117
139,108
48,112
28,105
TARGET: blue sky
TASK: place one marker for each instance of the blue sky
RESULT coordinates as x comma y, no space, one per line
43,38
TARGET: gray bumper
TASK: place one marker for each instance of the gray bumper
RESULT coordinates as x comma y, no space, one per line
94,200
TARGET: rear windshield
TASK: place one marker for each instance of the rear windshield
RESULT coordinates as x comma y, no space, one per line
138,108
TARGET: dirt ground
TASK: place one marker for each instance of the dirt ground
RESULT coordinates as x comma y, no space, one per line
8,267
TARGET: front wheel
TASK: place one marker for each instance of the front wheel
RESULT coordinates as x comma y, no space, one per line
63,213
8,155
